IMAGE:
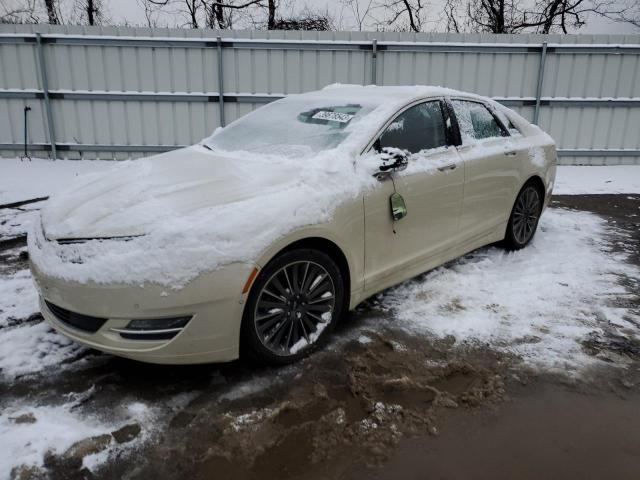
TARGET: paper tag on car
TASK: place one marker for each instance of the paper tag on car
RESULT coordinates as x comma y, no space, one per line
333,116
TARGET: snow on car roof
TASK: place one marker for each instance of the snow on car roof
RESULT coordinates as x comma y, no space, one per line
374,94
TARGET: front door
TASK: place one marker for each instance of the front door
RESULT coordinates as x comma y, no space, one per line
432,188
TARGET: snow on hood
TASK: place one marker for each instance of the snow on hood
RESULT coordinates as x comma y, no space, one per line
130,200
193,210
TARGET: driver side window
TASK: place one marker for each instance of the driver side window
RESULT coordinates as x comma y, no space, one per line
418,128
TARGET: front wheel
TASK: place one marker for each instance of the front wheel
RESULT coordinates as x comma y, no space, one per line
293,304
524,218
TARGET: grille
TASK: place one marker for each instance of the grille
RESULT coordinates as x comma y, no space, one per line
76,320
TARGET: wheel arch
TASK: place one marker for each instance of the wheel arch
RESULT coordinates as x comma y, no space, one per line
538,182
330,248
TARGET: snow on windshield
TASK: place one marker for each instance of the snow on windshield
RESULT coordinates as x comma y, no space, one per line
294,126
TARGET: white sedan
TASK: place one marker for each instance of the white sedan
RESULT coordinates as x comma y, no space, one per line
257,240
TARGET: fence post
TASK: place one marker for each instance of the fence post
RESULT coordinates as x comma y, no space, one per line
220,83
47,100
543,59
374,59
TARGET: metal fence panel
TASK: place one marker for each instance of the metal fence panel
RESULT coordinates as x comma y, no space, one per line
118,92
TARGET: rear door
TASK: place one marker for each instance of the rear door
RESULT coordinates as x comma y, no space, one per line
491,168
432,188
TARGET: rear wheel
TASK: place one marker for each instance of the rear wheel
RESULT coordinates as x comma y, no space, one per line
524,218
292,306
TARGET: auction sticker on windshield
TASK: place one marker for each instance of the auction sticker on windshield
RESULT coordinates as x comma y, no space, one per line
333,116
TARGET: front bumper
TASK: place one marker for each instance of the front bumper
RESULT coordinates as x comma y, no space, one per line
213,300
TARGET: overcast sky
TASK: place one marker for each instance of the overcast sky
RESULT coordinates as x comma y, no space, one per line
131,12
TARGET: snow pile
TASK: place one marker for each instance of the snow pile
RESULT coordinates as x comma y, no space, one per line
27,179
540,302
31,432
19,297
586,180
28,349
14,222
50,428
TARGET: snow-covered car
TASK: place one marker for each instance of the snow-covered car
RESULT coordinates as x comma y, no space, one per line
260,238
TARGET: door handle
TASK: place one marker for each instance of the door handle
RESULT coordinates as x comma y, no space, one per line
451,166
511,153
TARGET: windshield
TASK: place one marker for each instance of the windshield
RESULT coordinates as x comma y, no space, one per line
294,126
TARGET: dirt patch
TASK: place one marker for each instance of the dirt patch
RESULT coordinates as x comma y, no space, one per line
335,409
546,430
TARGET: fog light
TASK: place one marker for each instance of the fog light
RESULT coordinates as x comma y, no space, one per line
153,328
157,323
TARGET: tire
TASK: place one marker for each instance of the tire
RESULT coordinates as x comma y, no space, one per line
292,307
524,218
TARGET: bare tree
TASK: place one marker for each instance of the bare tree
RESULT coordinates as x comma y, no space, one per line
402,15
561,14
453,16
22,12
192,7
542,16
220,13
271,15
52,11
360,12
93,11
89,12
495,16
150,12
304,22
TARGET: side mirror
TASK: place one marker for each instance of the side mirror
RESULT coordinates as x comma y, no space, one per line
393,159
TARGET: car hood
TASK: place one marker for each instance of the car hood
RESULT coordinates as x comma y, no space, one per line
130,199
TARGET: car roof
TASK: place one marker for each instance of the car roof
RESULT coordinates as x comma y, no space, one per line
378,95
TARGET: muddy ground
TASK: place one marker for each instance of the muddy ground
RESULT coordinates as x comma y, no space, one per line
384,405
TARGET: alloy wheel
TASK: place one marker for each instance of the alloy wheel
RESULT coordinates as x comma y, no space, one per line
526,214
294,307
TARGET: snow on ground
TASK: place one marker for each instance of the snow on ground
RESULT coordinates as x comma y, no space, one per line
586,180
29,432
14,222
23,179
19,297
540,302
31,348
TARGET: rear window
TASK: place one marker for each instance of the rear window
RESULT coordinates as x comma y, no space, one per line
475,121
